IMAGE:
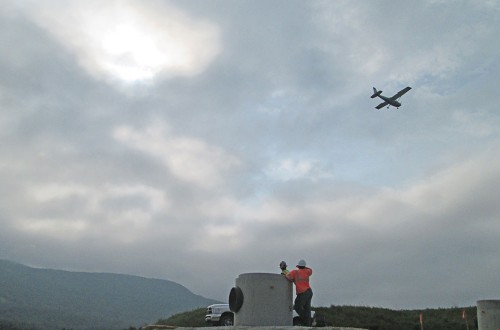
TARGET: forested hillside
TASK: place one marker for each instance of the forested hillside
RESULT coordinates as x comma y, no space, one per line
52,299
372,318
376,318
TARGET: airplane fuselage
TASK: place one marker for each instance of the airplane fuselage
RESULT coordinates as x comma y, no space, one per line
389,100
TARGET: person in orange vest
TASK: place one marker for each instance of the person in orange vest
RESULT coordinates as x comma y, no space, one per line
302,304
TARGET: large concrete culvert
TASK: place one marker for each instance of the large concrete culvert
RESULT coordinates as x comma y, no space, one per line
488,314
262,299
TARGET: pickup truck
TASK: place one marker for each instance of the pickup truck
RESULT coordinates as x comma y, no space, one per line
221,315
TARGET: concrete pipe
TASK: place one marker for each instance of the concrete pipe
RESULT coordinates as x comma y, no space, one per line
262,299
488,314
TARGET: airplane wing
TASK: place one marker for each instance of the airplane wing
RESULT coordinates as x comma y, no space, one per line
401,93
381,105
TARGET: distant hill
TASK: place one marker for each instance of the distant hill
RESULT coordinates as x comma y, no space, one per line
33,298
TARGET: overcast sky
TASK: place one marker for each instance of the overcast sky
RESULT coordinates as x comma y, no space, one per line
198,140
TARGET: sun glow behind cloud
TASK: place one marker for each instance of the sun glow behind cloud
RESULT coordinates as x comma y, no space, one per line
131,41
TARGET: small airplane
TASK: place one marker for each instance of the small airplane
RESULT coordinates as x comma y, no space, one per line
394,100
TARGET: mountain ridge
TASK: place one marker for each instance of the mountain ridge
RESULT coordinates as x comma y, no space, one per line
42,298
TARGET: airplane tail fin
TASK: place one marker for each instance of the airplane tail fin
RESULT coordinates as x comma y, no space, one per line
375,93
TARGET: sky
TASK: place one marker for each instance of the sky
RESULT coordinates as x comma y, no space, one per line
195,141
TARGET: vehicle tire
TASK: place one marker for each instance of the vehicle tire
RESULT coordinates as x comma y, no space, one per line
226,320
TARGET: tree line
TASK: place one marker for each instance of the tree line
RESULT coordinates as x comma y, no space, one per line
372,318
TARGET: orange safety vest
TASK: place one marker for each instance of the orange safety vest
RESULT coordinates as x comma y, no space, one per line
301,279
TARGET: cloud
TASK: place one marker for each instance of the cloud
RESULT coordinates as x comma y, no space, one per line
363,41
288,169
475,124
261,145
60,228
129,40
66,211
187,158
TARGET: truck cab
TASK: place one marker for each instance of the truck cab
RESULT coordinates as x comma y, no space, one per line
219,315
